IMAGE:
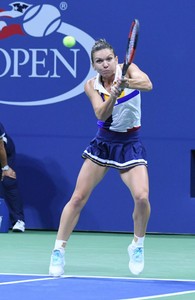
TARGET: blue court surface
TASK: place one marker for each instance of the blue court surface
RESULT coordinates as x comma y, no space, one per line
39,287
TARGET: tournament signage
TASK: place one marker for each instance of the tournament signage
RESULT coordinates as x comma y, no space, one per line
35,67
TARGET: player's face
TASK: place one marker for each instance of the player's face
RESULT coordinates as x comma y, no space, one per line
104,62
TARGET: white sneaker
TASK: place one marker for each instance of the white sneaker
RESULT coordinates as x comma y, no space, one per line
57,264
136,262
19,226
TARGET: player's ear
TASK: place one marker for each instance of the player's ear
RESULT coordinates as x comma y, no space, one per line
116,58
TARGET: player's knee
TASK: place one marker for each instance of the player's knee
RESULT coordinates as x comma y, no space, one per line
78,201
142,200
142,206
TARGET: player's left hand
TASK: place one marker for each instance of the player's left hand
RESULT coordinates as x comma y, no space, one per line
115,90
123,83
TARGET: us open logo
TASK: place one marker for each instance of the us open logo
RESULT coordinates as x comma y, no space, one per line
35,67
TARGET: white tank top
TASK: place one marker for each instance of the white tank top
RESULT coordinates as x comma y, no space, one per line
126,113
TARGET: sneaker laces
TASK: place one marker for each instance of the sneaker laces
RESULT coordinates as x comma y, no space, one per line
137,254
57,257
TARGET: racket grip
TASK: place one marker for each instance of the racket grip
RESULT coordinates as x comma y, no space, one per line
121,89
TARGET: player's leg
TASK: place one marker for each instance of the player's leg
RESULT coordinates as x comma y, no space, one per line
137,181
89,176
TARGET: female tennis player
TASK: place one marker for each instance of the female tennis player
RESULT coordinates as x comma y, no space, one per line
116,102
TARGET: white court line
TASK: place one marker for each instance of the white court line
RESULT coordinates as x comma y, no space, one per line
28,280
24,274
131,278
24,281
46,277
161,296
103,277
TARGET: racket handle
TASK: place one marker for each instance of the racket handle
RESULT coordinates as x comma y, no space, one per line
121,89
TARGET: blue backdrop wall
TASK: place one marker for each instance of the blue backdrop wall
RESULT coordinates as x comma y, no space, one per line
44,108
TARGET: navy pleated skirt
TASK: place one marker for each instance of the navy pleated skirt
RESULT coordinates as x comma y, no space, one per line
117,150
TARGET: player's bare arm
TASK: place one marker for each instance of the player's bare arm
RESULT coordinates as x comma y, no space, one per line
136,79
103,110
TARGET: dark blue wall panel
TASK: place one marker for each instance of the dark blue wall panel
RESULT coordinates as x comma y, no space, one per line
43,107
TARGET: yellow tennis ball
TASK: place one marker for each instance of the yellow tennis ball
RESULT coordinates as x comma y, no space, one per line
69,41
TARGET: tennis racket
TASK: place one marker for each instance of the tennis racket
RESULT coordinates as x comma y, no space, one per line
131,46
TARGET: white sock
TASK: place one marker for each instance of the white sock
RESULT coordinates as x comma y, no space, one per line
139,242
60,245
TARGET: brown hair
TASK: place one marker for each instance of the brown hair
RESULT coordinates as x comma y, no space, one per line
99,45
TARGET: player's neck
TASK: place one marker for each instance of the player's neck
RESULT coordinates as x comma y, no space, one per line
107,82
